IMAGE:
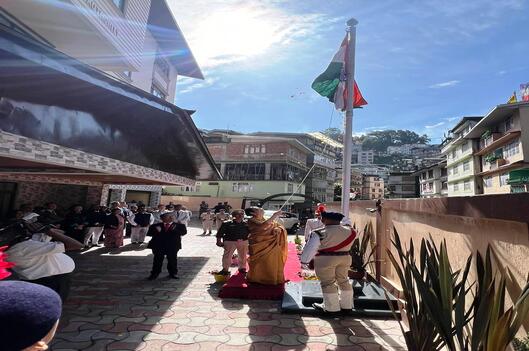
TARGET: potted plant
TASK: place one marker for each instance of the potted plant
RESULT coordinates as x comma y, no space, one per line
360,255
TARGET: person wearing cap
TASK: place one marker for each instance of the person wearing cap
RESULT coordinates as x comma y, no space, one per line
330,249
166,241
29,316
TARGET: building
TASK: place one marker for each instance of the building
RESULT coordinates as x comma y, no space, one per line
405,149
461,163
365,157
381,171
325,151
253,167
402,185
433,180
372,187
357,181
82,129
502,154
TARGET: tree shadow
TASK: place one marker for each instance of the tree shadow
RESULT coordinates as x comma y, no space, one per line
112,306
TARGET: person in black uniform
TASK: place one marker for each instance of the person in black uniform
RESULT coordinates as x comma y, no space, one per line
166,241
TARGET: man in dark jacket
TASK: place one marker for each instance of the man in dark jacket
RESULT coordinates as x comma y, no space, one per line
166,241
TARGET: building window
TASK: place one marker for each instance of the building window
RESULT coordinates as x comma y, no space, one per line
158,92
466,166
454,154
487,182
430,174
255,149
504,179
242,187
162,66
511,149
456,187
449,171
508,124
444,186
466,185
290,188
465,147
245,171
456,169
120,4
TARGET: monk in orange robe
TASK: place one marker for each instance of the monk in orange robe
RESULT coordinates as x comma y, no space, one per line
268,248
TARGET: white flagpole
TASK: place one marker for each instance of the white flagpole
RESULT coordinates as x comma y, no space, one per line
348,134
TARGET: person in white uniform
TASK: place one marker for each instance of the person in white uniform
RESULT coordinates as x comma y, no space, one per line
207,221
330,249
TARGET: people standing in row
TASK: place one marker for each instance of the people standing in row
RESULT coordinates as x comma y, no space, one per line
95,224
330,249
207,219
166,241
114,228
140,222
218,207
233,235
220,218
74,223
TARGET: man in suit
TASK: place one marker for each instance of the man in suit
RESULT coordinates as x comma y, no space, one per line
166,241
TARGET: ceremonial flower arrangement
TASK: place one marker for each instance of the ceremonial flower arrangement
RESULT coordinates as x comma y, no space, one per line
4,265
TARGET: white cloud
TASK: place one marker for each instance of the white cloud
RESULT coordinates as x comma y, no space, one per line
435,125
451,119
450,83
188,85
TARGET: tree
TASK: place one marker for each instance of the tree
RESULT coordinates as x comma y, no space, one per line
380,140
334,133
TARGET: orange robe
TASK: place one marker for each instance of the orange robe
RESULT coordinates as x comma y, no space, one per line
268,252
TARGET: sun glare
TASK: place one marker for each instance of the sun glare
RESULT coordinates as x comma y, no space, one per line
232,35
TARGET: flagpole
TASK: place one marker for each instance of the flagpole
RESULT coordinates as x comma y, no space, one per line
348,133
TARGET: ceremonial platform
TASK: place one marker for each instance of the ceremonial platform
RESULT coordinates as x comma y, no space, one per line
238,288
369,299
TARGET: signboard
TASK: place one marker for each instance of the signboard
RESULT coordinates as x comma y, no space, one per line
524,92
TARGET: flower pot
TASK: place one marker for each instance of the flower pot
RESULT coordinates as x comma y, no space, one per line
356,275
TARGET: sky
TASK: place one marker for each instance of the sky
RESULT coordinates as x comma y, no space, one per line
421,65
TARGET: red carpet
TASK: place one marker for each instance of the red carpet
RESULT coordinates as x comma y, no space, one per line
238,288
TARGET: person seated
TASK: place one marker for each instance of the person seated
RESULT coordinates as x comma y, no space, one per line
267,246
49,214
41,262
29,316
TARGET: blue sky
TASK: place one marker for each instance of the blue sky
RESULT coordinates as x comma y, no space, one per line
421,65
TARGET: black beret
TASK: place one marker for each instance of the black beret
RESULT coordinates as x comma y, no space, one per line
28,312
335,216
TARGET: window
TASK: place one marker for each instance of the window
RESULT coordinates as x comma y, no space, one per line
504,179
454,154
158,92
466,165
242,187
290,188
456,187
120,4
466,185
465,146
487,182
245,171
255,149
443,172
511,149
449,171
444,186
456,169
507,125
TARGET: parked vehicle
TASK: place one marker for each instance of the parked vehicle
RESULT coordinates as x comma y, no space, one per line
289,220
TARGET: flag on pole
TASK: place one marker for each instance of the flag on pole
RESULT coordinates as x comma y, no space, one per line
513,99
333,82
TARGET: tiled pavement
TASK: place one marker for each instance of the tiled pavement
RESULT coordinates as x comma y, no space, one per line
113,307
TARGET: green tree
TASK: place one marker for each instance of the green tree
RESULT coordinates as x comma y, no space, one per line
334,133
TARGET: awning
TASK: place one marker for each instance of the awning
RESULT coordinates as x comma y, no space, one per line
55,99
519,176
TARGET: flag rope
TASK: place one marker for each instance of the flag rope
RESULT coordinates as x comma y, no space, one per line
311,168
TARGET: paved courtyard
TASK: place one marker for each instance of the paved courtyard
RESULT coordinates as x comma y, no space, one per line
113,307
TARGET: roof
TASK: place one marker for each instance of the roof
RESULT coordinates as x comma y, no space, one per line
109,118
257,139
324,138
464,120
167,33
496,115
438,164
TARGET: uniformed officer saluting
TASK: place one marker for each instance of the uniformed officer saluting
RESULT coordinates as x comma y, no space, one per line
330,249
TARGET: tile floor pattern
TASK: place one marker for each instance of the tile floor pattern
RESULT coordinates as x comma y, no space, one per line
113,307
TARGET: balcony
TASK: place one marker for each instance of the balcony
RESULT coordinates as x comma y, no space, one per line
496,140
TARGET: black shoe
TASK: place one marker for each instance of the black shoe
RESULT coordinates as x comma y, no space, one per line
172,276
152,277
319,307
